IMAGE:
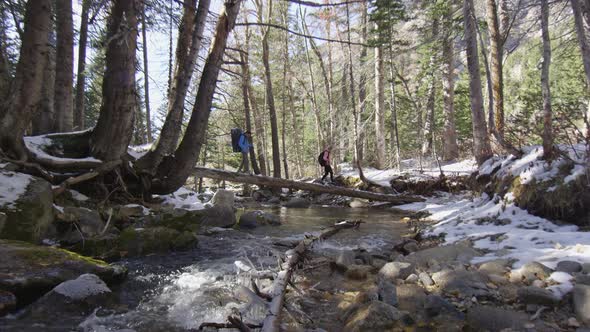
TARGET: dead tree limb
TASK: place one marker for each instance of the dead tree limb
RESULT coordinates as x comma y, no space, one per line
104,168
278,288
265,181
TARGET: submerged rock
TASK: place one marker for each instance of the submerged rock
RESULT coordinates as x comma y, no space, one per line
34,270
297,202
142,241
252,219
29,214
375,316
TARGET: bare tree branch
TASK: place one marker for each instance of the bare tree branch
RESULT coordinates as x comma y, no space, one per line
276,26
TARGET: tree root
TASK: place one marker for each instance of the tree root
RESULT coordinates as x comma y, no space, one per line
102,169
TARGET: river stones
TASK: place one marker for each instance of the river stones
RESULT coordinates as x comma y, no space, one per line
461,283
345,258
568,267
410,297
582,303
425,279
435,305
253,219
223,198
375,316
434,257
88,222
486,318
358,203
387,292
143,241
530,272
396,270
34,270
358,272
297,202
27,203
536,295
496,267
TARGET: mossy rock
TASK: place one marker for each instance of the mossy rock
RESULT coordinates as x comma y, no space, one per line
29,218
142,241
30,270
104,247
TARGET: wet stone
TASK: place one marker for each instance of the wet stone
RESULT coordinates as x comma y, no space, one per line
396,270
374,316
536,295
425,279
582,303
568,267
412,278
358,272
345,258
435,305
484,318
582,279
387,292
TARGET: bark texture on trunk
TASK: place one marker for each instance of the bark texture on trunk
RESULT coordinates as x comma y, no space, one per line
16,111
481,142
146,80
362,83
379,110
581,9
244,63
497,79
64,99
395,144
44,120
428,130
270,99
81,77
114,128
449,137
189,42
545,84
173,172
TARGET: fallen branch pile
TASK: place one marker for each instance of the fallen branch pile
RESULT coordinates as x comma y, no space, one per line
275,296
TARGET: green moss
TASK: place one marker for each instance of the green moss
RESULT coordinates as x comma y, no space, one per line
39,255
154,239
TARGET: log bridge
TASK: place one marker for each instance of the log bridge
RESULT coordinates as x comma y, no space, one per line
267,181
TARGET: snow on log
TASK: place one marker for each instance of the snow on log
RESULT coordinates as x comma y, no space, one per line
267,181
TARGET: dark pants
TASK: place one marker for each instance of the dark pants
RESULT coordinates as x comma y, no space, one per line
328,170
245,163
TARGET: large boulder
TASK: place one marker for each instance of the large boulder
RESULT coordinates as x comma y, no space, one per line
29,270
77,297
461,283
27,203
143,241
252,219
223,198
192,220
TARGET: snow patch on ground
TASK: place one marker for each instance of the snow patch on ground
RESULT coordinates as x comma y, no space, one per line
78,196
12,186
183,199
84,286
411,167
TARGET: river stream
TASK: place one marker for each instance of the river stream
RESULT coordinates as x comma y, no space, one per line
179,291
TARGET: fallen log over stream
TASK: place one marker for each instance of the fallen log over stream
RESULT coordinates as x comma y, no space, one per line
266,181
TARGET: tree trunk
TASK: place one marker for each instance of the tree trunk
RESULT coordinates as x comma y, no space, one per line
44,120
266,181
189,42
395,143
355,111
581,9
114,127
244,63
146,79
481,142
545,90
379,110
286,82
17,110
450,147
496,66
81,76
362,83
270,100
64,108
5,75
428,130
173,171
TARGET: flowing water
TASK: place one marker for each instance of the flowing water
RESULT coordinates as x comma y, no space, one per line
179,291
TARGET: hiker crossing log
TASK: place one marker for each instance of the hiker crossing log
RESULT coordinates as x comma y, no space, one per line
266,181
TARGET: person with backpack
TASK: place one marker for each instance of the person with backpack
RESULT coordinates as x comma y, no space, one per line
324,160
244,147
